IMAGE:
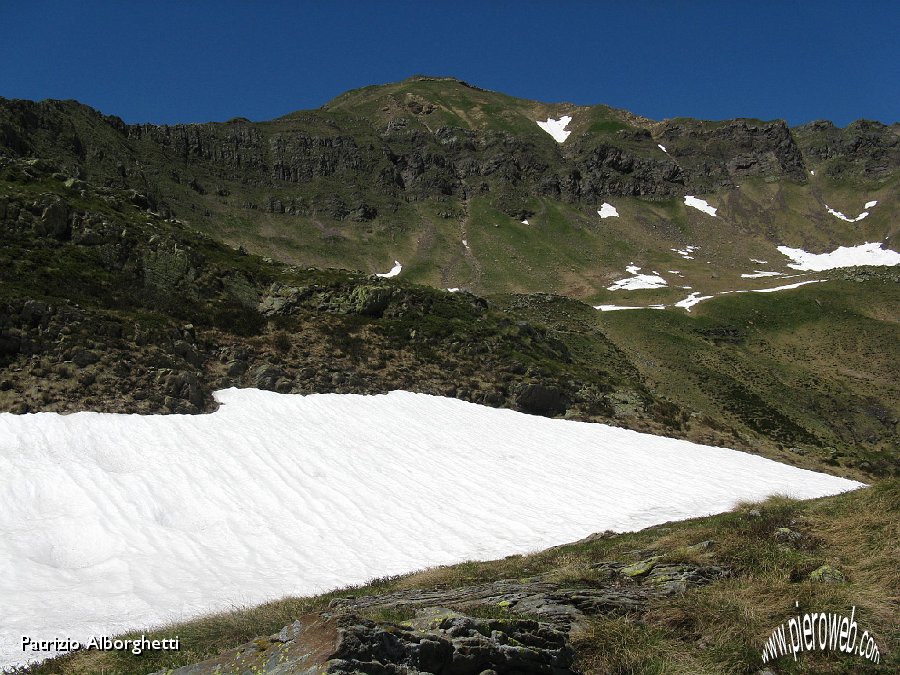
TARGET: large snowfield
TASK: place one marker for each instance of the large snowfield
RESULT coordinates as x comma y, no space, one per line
114,522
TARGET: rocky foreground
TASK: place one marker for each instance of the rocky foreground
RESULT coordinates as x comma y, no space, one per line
509,626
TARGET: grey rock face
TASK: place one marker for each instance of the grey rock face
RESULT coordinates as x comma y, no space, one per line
530,633
452,645
54,221
405,162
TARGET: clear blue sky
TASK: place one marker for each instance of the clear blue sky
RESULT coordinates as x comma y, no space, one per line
199,60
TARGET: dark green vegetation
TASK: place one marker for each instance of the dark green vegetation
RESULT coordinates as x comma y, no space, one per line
144,267
107,306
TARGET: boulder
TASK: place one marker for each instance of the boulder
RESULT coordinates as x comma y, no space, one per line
54,221
540,399
268,377
370,300
827,574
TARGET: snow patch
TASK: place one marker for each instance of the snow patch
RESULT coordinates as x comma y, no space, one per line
843,256
759,262
662,147
691,300
700,205
295,495
685,252
395,270
637,281
785,288
616,308
869,205
557,128
466,244
838,214
757,275
608,211
525,222
453,290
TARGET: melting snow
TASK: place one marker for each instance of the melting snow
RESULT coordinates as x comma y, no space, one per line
760,262
686,252
395,270
466,244
637,281
115,522
843,256
557,128
691,300
615,308
757,274
608,211
785,288
838,214
700,205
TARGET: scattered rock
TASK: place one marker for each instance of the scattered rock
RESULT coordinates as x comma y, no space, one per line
267,376
236,368
702,545
288,633
827,574
787,535
83,357
640,568
444,637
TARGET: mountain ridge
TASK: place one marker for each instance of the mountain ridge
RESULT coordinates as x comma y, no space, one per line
474,87
412,169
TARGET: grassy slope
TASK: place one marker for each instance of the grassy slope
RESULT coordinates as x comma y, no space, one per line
806,376
567,249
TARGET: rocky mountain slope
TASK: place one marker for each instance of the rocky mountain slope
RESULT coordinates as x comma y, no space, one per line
108,306
439,174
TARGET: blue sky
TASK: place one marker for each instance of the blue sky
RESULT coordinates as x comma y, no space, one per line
200,60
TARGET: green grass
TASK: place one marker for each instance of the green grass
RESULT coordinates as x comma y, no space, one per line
805,376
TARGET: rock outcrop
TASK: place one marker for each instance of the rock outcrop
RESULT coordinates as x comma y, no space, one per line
448,633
